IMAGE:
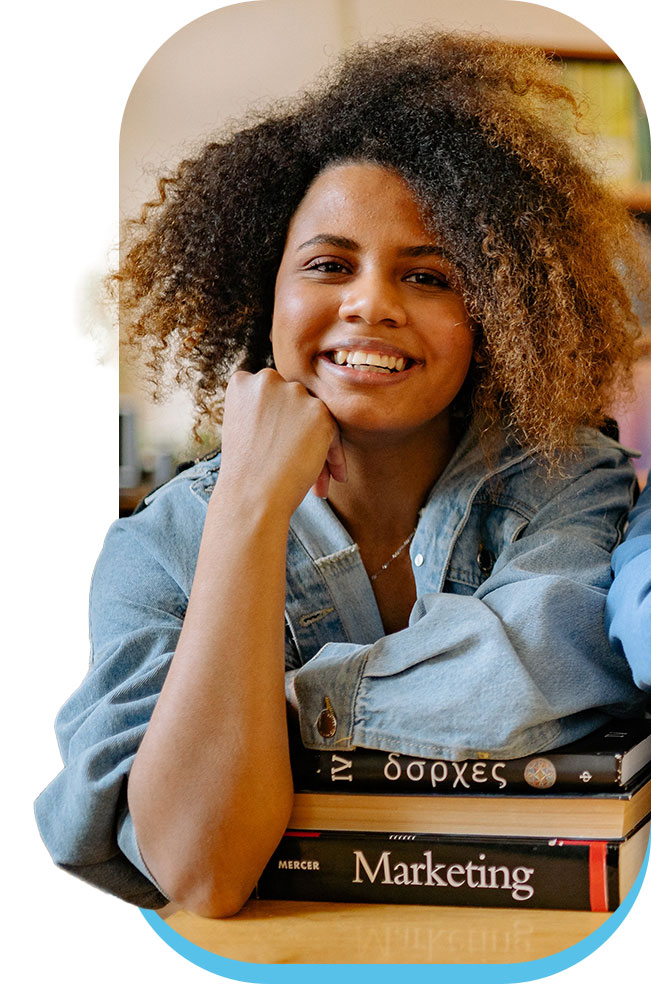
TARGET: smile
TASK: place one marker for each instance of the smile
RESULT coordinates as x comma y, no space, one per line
369,362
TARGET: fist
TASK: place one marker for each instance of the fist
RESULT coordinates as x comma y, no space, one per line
278,438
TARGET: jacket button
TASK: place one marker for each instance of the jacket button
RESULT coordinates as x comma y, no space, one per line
327,721
485,560
418,560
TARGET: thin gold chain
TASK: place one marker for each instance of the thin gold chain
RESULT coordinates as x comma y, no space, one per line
393,557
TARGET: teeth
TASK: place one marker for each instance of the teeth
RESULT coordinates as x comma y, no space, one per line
359,359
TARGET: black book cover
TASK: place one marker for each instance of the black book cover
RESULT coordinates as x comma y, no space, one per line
399,868
606,759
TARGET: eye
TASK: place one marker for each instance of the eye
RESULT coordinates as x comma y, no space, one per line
325,266
427,278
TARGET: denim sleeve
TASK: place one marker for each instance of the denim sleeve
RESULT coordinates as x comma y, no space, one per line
82,815
628,608
520,665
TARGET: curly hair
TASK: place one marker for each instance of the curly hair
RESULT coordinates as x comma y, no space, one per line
484,134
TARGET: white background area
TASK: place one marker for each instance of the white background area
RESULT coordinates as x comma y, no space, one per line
68,68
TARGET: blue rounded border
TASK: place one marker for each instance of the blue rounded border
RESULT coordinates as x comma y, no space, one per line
514,972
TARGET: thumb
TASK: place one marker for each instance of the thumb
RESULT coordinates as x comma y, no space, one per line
336,459
320,488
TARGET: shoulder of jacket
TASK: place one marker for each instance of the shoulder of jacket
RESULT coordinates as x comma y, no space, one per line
595,443
196,478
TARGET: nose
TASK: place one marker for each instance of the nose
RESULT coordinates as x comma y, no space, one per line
372,298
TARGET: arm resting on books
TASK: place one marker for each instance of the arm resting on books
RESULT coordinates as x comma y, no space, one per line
177,781
214,790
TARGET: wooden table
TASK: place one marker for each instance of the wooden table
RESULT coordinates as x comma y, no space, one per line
295,932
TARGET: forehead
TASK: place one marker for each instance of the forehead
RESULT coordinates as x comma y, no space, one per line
364,195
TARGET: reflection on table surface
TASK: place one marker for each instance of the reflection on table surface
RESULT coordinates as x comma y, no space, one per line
297,931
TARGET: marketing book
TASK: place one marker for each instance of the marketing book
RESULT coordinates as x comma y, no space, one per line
417,868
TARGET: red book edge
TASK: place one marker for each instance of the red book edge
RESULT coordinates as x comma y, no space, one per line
597,872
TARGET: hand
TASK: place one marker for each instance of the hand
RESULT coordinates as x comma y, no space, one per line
278,440
334,467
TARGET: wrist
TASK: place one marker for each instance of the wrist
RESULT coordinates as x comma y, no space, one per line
245,507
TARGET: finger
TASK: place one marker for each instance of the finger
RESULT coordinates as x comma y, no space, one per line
336,459
320,488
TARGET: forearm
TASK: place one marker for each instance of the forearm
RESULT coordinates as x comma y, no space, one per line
210,790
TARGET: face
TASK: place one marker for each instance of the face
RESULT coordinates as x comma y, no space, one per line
366,313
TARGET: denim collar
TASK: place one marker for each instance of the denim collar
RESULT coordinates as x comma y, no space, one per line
329,596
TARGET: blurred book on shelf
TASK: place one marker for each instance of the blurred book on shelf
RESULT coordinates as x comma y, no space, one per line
614,114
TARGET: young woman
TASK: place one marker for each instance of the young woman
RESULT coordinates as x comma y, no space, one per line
407,534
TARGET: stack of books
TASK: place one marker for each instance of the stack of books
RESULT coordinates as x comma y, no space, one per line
564,829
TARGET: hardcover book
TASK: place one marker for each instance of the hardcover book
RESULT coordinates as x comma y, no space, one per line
607,758
602,815
400,868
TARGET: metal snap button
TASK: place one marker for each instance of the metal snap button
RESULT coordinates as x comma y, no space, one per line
327,721
485,560
418,560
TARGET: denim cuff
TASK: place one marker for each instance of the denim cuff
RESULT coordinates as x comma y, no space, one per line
326,690
129,845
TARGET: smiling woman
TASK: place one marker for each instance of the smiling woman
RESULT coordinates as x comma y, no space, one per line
371,292
418,303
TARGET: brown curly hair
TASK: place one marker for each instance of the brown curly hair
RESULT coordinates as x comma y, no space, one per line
484,135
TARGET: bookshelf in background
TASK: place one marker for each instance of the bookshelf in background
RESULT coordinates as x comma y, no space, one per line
615,114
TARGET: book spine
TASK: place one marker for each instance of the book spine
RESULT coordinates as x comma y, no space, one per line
375,771
643,142
392,868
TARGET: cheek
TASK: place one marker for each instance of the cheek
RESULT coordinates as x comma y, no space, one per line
288,316
457,348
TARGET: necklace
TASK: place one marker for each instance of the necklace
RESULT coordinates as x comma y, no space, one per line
393,557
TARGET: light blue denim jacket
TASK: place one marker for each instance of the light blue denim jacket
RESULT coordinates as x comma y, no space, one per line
628,607
505,652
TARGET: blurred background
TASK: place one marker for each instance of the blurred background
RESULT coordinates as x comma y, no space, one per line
213,71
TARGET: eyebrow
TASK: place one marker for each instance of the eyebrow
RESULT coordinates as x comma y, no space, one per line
330,238
427,249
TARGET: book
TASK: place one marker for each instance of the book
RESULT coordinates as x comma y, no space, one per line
607,758
611,114
399,868
603,815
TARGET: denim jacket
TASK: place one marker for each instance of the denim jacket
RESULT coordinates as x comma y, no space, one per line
505,652
628,607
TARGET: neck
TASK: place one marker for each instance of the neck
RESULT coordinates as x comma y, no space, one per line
389,480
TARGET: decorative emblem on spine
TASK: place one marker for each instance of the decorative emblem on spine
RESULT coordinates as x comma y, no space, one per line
540,773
